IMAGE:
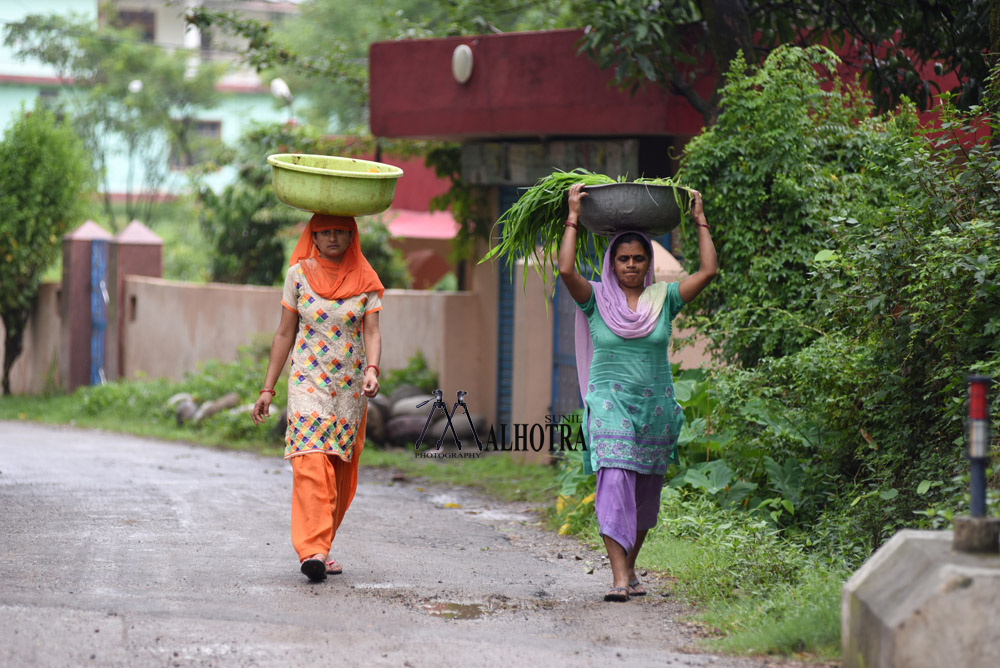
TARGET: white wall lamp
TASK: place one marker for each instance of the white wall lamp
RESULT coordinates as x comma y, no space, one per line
461,63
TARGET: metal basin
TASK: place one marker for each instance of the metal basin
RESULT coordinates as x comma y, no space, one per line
333,185
618,207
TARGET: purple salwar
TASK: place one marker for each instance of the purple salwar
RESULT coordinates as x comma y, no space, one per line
626,502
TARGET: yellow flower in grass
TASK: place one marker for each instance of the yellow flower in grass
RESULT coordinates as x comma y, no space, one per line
561,504
589,499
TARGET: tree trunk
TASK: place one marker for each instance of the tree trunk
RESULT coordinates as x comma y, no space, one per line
993,85
729,34
15,323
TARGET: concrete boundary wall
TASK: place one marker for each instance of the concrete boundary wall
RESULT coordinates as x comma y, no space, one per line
170,327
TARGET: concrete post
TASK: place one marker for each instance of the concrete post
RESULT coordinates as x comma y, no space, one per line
74,307
137,251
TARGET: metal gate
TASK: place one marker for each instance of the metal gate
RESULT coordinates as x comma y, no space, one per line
565,386
565,389
505,320
98,309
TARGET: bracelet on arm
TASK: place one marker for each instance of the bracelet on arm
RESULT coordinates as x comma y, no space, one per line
372,366
267,391
705,225
569,224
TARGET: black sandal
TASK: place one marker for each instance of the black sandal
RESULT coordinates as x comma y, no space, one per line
617,594
314,569
635,588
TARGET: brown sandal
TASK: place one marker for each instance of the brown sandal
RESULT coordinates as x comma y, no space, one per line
333,568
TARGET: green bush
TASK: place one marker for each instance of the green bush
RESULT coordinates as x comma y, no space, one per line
416,372
45,176
784,156
859,382
145,400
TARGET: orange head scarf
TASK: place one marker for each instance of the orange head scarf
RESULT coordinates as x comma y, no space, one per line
335,280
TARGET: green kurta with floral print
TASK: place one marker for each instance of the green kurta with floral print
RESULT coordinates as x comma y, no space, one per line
631,419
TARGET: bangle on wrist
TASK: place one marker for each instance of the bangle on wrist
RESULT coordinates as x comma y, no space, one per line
569,224
372,366
267,391
705,225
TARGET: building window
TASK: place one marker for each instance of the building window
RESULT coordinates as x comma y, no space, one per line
204,136
141,20
48,98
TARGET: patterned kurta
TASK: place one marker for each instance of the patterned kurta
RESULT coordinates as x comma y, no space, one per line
631,419
325,404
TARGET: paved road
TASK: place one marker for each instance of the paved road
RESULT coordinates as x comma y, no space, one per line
121,551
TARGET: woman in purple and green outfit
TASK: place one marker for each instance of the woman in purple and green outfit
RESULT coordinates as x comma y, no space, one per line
631,419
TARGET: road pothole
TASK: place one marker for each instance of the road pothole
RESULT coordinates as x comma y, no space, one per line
449,610
491,605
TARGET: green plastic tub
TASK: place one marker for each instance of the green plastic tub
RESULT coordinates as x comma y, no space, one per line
333,185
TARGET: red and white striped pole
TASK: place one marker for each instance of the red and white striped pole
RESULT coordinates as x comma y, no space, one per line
976,532
979,443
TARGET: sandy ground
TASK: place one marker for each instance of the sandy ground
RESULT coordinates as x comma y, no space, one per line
121,551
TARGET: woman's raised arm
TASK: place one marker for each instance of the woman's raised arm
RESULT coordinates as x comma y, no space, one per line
708,265
579,287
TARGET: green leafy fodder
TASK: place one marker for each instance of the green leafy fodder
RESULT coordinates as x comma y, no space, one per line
533,226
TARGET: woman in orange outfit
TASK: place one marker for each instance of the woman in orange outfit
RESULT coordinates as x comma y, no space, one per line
329,323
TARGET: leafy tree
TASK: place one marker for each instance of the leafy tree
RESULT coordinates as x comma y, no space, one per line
341,31
668,41
44,180
99,68
245,221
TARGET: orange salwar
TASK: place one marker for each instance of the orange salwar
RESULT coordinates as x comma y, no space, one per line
323,487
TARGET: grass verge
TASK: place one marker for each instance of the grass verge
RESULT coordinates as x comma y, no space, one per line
498,475
754,591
